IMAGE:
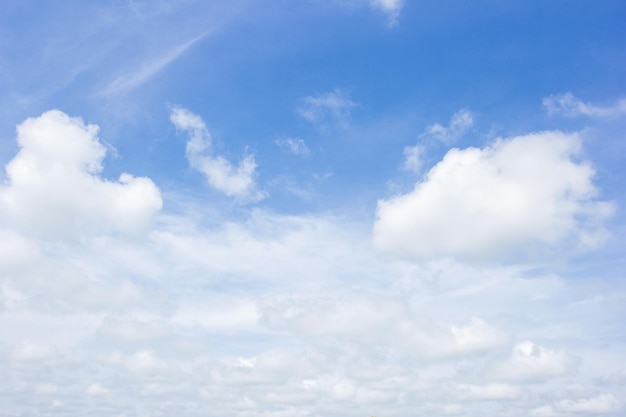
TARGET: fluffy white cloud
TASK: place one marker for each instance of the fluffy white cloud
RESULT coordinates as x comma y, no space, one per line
54,185
326,110
296,146
460,123
529,362
508,197
570,106
233,181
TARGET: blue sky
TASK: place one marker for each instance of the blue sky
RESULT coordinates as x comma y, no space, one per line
314,208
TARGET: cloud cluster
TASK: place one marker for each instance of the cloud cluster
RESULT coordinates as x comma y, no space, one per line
238,182
512,197
272,315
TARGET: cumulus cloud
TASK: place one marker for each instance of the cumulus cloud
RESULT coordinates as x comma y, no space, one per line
238,182
244,315
459,124
493,202
326,110
53,183
568,105
530,362
295,146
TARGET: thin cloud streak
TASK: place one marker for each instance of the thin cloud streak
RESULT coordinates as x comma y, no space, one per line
149,69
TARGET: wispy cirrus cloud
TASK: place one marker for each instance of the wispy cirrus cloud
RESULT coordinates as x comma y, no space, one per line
327,110
568,105
148,69
459,124
295,146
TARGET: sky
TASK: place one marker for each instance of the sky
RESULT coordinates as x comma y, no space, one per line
313,208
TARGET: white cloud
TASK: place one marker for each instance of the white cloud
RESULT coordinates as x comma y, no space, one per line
295,146
29,350
233,181
97,390
54,185
529,362
460,123
503,199
570,106
595,405
488,392
331,109
141,362
275,315
439,340
600,404
414,158
391,8
148,69
382,321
